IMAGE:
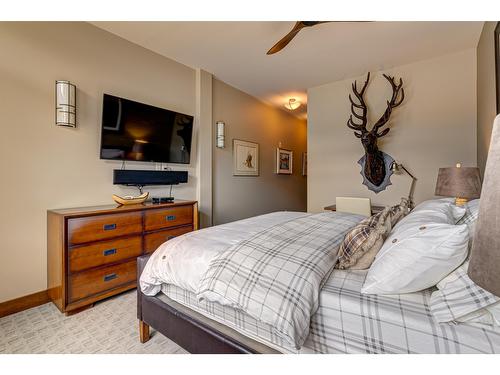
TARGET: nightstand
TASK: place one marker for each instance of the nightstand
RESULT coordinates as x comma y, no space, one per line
375,209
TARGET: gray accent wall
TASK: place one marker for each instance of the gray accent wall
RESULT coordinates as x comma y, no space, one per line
248,119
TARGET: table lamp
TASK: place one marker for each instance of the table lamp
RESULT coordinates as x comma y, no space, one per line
463,183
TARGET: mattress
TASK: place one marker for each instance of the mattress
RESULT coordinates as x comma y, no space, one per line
350,322
237,320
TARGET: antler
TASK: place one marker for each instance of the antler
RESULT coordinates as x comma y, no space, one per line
359,95
393,103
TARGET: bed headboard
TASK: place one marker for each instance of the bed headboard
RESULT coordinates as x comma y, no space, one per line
484,267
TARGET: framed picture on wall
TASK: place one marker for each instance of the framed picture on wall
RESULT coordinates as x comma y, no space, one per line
245,158
497,64
284,161
304,164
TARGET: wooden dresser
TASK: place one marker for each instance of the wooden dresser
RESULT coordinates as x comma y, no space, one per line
92,251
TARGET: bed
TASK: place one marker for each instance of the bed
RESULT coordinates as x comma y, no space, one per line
344,320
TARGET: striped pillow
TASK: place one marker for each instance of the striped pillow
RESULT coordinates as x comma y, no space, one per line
362,243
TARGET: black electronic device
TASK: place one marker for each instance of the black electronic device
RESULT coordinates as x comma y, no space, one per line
158,200
141,132
145,177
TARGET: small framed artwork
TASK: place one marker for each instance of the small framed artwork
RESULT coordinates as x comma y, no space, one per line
304,164
284,161
245,158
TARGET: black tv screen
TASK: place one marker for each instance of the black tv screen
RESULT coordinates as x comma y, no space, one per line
141,132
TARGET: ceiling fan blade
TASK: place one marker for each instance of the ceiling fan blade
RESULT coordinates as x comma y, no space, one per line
314,23
299,25
282,43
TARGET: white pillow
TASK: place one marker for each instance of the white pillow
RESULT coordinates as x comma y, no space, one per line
416,257
434,211
470,218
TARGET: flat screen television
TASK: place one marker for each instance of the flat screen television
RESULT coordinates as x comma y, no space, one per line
140,132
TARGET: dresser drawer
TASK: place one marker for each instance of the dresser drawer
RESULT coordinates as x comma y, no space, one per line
168,217
153,240
85,284
104,252
94,228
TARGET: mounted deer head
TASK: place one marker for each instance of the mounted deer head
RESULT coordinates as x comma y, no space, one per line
374,169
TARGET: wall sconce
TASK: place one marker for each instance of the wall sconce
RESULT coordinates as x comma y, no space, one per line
220,135
292,104
65,104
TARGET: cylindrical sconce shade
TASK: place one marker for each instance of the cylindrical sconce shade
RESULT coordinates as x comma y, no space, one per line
65,104
220,137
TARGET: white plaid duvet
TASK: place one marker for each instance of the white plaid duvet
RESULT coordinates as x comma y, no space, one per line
276,275
350,322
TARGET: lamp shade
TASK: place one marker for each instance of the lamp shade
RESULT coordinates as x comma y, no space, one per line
484,266
463,182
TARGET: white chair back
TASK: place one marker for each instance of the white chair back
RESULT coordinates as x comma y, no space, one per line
360,206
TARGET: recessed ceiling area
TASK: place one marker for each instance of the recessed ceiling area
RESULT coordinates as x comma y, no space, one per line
235,52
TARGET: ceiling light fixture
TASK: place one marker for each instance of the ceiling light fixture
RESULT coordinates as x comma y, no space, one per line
292,104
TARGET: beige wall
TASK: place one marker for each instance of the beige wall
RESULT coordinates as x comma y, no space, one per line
44,166
204,162
486,91
435,127
246,118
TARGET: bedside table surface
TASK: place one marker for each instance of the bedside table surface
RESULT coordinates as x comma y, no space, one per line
375,209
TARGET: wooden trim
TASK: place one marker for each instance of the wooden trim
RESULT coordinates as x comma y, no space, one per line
56,268
78,310
143,332
196,217
23,303
77,212
77,305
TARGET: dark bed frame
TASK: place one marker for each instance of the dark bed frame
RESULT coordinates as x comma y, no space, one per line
193,335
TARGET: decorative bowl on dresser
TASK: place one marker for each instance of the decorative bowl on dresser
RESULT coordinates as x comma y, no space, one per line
92,251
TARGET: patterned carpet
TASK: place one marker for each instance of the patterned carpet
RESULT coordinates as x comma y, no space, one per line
110,326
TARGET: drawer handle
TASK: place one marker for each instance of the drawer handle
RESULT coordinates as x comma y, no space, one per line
170,217
170,237
109,252
109,226
110,277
